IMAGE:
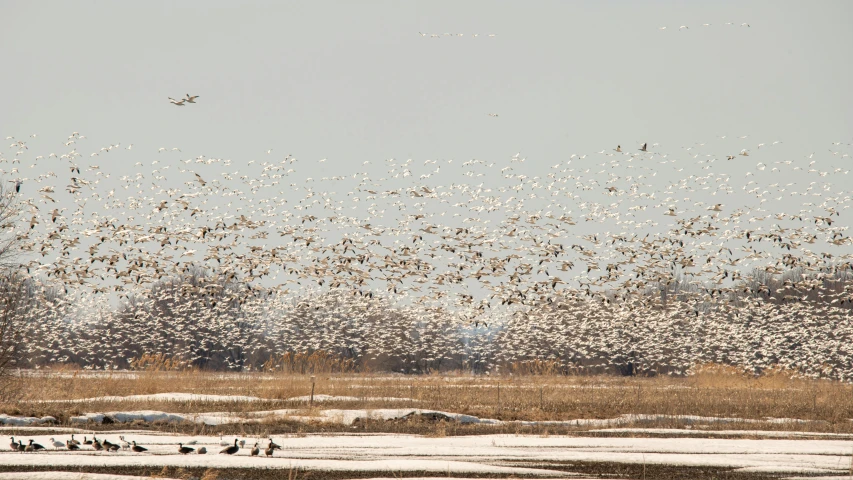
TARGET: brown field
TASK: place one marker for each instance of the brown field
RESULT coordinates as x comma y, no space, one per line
713,391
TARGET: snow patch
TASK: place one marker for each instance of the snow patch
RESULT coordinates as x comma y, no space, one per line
166,397
70,476
23,421
344,398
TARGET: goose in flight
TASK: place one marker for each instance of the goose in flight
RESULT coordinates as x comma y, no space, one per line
190,98
179,103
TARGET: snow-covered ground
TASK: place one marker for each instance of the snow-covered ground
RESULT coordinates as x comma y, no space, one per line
348,416
164,397
460,455
195,397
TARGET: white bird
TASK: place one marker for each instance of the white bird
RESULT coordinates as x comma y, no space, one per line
190,99
179,103
56,444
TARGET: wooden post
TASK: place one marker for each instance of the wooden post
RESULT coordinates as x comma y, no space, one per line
540,398
311,402
499,396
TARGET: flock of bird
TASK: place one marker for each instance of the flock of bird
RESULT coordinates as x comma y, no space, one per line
685,27
106,446
728,250
440,35
180,103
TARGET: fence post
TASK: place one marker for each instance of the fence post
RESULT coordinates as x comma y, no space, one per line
540,398
311,402
499,396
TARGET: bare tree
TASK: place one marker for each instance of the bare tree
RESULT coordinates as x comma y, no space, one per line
9,210
13,297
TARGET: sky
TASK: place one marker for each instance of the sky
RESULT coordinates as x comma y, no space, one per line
356,82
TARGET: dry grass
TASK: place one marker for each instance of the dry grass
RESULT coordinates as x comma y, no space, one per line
713,391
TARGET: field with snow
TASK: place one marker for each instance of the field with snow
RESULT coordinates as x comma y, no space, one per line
501,456
711,425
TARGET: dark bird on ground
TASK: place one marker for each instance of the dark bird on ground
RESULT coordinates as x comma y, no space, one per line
232,449
34,447
184,450
136,448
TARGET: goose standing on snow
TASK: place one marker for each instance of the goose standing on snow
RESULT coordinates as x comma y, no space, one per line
184,450
33,447
232,449
256,450
136,448
56,445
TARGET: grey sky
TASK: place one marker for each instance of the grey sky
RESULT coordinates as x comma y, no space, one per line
353,81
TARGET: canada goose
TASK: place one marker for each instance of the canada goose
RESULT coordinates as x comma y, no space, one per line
14,444
256,450
232,449
274,445
96,444
644,148
34,447
71,446
269,451
86,441
184,450
56,445
108,445
75,442
202,451
136,448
